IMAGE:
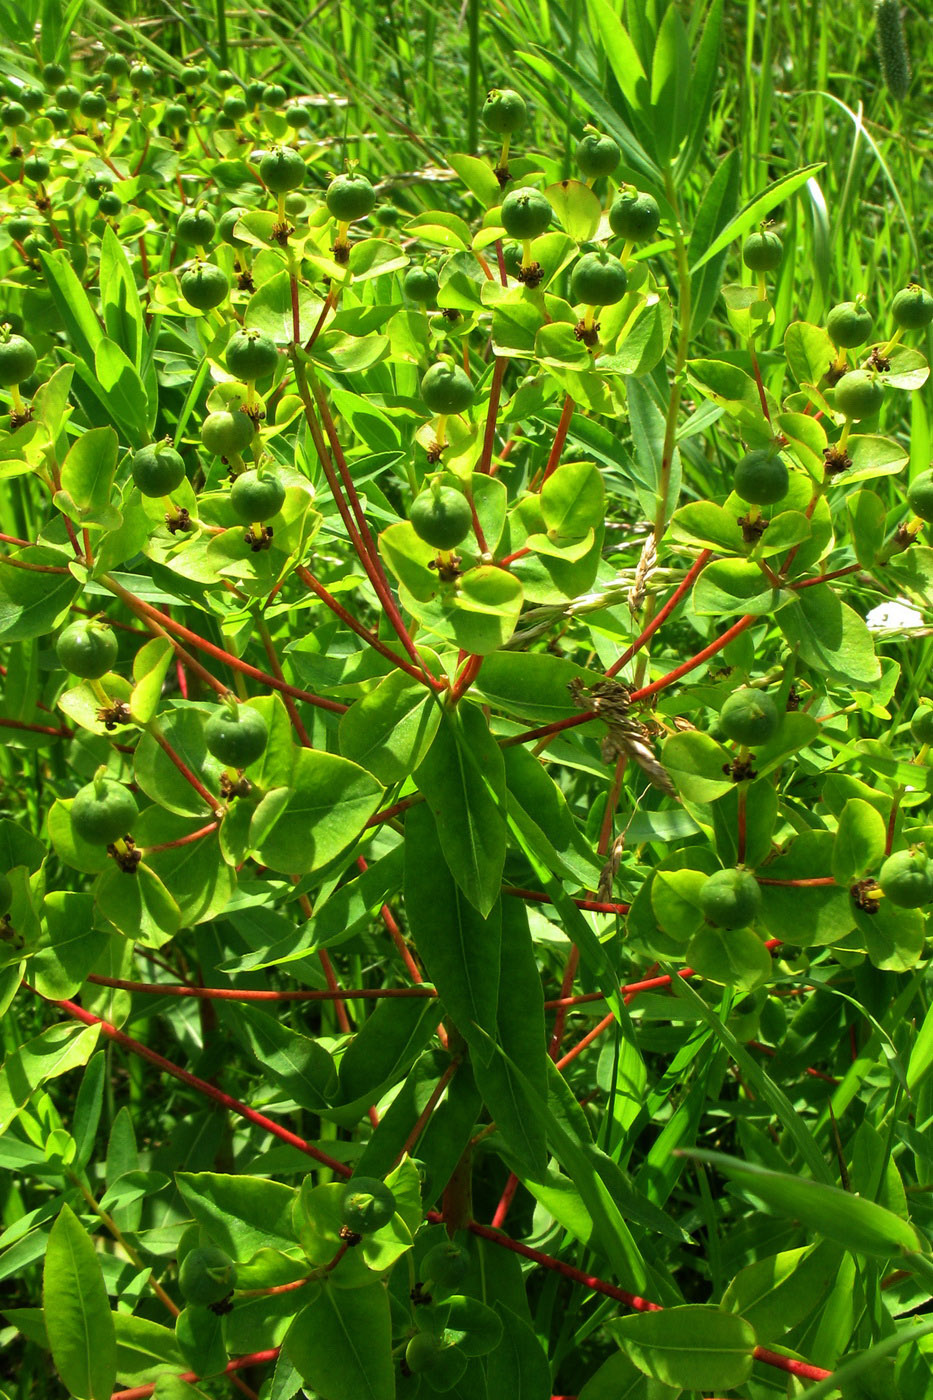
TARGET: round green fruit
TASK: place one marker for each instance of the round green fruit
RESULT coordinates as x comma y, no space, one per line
235,107
236,738
17,360
32,98
749,717
98,183
207,1275
761,478
441,516
226,434
93,104
730,898
13,114
297,116
525,213
282,170
920,496
422,1352
445,1266
110,204
87,649
102,812
226,79
849,324
912,308
193,76
762,252
53,74
447,388
67,97
227,224
257,498
176,116
58,117
906,879
503,111
597,155
598,279
204,286
921,724
251,355
350,197
195,227
274,96
421,284
367,1204
254,93
6,895
143,77
634,216
859,394
115,65
157,469
36,168
19,227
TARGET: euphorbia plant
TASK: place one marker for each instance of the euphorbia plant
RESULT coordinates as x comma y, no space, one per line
457,771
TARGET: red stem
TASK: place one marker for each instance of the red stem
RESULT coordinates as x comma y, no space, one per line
560,437
172,989
686,666
209,1091
256,1358
189,777
683,587
433,1100
492,413
368,637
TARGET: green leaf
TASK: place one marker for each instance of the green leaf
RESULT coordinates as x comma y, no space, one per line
150,667
120,301
921,1054
460,948
83,1341
301,1066
577,208
620,1379
729,586
694,762
756,210
733,957
695,1347
860,841
776,1293
817,914
621,53
159,777
389,730
124,391
522,1037
830,635
138,904
242,1214
33,603
480,613
383,1051
145,1350
857,1224
670,86
54,1052
463,780
717,208
199,1332
340,1344
71,301
478,177
329,804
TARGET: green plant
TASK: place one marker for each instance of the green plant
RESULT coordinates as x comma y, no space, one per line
597,155
350,197
195,228
525,213
454,928
251,355
504,111
598,279
282,169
